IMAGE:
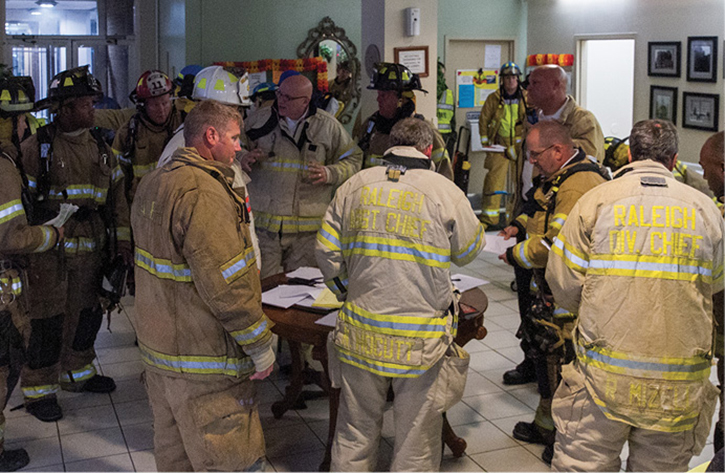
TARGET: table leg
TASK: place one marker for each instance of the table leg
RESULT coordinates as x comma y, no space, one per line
297,382
319,353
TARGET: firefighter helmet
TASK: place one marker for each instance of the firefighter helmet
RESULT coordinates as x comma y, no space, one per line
151,84
17,95
214,82
391,76
510,69
190,70
615,152
76,82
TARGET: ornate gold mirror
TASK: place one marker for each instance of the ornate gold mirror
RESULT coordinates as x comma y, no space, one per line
343,66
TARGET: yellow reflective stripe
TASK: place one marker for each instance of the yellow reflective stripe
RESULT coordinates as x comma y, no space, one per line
140,170
79,191
382,368
48,239
438,154
329,237
117,173
196,364
645,266
662,423
10,210
573,258
347,172
717,276
74,246
14,284
521,252
287,224
338,285
82,374
123,233
238,266
36,392
669,368
253,333
470,250
558,221
400,250
162,268
283,165
397,325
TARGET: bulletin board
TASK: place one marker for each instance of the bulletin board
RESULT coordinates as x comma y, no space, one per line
474,86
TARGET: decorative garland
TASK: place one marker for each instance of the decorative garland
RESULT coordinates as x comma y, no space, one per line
562,60
316,65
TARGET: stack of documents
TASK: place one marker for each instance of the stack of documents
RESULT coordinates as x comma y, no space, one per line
312,292
464,283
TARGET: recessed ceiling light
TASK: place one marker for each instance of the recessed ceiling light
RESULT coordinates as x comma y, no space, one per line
46,3
36,11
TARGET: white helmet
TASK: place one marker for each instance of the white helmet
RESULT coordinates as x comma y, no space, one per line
215,83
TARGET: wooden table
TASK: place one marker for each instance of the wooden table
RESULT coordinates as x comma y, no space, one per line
298,326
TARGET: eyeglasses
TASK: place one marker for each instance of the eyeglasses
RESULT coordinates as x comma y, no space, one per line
534,155
282,95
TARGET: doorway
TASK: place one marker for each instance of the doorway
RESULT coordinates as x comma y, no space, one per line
605,82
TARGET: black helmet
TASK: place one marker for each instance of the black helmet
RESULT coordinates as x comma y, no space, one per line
17,95
76,82
391,76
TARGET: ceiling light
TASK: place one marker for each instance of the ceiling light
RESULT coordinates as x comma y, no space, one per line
46,3
36,11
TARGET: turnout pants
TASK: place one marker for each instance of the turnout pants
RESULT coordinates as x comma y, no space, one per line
207,425
285,251
14,331
65,315
586,440
418,407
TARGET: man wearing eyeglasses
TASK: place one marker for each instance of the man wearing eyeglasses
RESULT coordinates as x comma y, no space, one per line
565,174
299,156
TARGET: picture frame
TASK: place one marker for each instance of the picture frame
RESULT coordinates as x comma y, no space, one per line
700,111
664,58
414,58
663,103
702,58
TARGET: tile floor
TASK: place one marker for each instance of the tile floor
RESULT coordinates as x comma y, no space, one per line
102,432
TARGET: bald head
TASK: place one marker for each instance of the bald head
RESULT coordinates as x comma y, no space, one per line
294,96
547,88
712,159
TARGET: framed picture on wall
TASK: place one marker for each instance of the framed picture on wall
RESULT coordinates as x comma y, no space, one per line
700,111
664,59
701,58
663,103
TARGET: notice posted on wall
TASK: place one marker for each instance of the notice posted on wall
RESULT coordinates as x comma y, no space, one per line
474,86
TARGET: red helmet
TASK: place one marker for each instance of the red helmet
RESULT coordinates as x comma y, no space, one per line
151,84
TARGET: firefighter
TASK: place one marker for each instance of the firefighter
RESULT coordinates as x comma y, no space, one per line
300,154
140,141
445,110
66,163
502,123
17,237
638,259
199,319
385,248
396,100
565,174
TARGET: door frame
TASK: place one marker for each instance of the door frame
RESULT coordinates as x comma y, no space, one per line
576,86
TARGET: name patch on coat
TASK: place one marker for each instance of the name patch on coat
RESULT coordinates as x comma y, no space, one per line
376,346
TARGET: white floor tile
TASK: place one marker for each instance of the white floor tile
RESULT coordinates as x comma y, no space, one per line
489,360
144,460
120,462
476,346
497,309
134,412
464,463
70,401
513,353
124,369
42,452
87,420
477,384
508,321
283,441
527,394
497,405
461,414
129,389
289,418
483,437
139,437
118,354
317,410
95,444
307,461
513,459
107,339
503,339
28,428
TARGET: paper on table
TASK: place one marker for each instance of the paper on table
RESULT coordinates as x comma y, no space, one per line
66,210
494,149
327,300
329,320
280,296
306,272
496,244
464,283
301,291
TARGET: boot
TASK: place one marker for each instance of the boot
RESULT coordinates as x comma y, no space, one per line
530,432
548,454
11,460
97,384
522,374
45,410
